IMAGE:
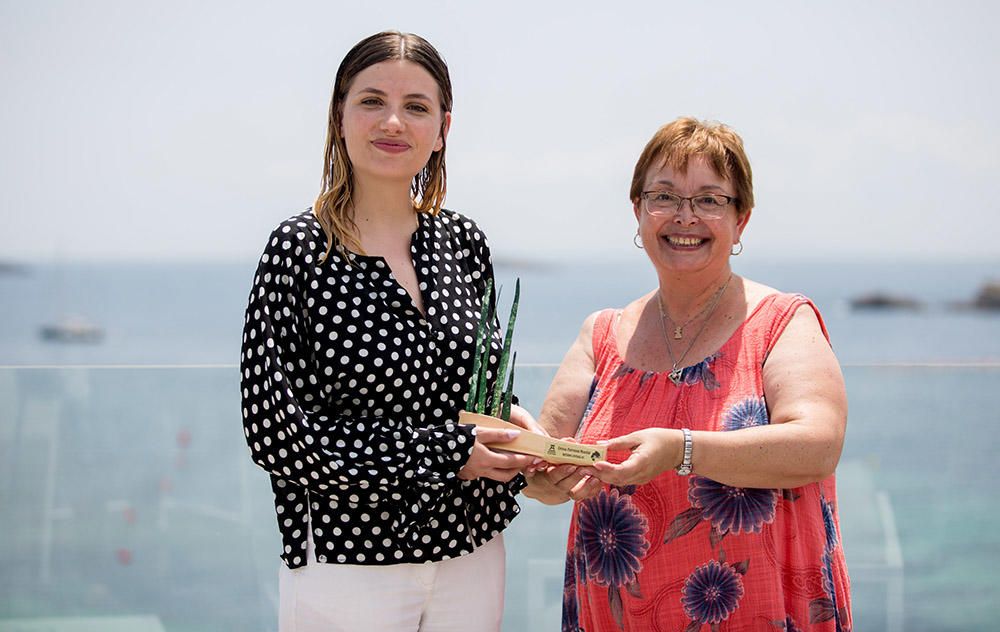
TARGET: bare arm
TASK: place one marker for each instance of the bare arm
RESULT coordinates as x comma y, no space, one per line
807,405
560,417
570,388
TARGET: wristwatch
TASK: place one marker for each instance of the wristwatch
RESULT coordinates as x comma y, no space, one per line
685,467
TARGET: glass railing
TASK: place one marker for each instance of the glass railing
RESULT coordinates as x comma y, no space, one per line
128,502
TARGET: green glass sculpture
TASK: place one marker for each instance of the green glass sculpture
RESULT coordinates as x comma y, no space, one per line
481,400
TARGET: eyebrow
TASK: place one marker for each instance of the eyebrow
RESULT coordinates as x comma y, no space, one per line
412,95
705,187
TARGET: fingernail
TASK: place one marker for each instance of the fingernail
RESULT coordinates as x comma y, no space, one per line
512,434
537,461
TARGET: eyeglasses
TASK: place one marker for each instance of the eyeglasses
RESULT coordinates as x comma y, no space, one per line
705,206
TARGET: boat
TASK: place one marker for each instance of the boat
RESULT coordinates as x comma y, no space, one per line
988,296
12,268
884,301
72,330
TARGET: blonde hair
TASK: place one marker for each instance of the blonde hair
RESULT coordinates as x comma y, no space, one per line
333,207
677,142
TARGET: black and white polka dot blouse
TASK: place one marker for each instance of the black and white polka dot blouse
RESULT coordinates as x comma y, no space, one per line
351,396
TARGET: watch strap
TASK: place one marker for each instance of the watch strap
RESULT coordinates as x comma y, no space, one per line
685,466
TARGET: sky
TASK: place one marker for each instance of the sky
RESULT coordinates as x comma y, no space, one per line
187,130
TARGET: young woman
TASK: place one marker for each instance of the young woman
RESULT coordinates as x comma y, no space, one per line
357,356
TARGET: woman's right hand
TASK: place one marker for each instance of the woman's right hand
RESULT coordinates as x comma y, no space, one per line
487,463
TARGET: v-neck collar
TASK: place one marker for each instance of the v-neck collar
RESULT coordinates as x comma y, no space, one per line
420,259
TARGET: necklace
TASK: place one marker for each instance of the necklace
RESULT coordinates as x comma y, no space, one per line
679,329
675,371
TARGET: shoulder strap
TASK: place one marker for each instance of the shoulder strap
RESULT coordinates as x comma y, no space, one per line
603,334
782,308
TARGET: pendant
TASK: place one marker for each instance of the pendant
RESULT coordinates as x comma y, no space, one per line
675,376
678,332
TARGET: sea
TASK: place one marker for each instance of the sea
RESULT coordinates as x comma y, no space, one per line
125,488
190,313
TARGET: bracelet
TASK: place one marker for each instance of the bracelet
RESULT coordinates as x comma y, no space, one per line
685,466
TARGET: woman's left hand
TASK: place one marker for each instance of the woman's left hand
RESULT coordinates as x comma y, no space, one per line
654,451
554,484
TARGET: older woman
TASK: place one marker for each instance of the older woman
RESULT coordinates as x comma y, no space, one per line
726,407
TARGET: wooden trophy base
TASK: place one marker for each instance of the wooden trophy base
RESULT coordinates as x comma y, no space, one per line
546,448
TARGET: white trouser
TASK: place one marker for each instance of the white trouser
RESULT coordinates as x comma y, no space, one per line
464,594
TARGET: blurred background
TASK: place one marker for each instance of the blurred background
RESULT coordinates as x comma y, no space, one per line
148,150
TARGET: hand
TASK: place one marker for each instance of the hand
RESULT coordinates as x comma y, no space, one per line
556,484
487,463
523,418
654,450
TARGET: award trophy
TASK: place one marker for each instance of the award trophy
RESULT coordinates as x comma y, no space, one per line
492,410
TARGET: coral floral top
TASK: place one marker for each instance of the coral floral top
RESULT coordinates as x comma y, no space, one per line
687,553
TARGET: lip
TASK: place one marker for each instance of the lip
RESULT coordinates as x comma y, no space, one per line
391,146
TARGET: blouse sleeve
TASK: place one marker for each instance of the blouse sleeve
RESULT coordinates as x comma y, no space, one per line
288,427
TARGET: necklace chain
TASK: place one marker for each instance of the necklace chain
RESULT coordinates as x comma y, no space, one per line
675,372
679,329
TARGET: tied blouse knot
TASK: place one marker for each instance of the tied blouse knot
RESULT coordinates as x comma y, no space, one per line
351,396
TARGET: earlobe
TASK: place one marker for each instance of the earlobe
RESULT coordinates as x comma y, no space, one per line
445,126
741,224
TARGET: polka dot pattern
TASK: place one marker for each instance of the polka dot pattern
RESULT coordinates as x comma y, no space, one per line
351,396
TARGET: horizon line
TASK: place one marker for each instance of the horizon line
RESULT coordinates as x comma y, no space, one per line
10,264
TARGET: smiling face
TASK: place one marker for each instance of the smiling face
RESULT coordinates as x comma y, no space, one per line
392,121
682,242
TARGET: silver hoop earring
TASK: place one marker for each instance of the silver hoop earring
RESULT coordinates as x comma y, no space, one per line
636,242
738,249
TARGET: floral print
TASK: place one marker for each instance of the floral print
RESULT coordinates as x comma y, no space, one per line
613,537
788,625
570,609
695,374
595,392
827,573
825,608
701,373
712,592
579,557
829,525
732,509
746,413
672,535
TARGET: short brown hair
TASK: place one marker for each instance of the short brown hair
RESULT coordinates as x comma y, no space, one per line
677,142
